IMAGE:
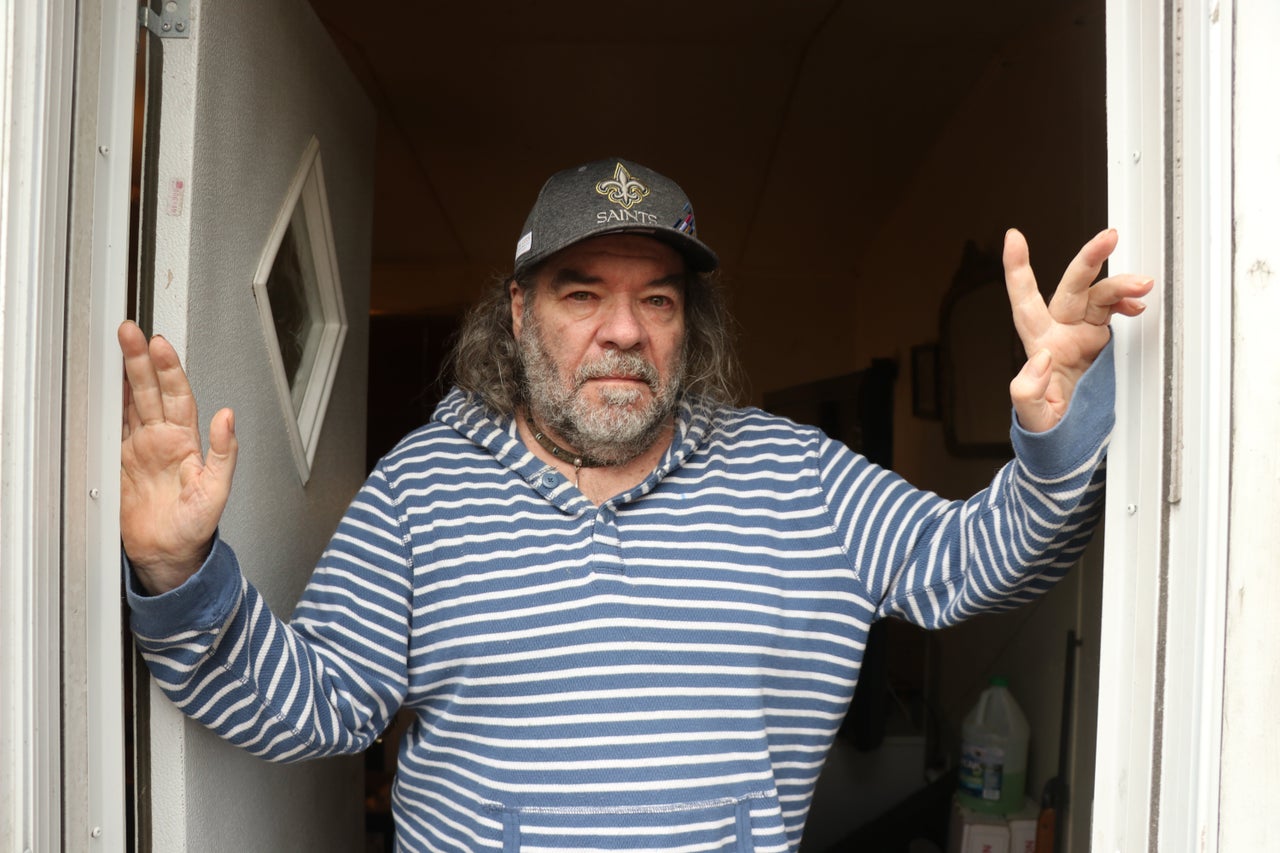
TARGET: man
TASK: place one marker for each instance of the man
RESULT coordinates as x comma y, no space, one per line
625,614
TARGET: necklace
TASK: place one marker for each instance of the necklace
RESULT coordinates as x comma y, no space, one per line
578,460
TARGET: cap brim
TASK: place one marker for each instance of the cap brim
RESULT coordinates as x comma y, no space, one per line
697,255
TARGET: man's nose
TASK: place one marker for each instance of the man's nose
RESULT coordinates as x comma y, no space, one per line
620,326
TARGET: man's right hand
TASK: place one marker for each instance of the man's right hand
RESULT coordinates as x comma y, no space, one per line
171,497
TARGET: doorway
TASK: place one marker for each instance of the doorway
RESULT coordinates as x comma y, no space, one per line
841,158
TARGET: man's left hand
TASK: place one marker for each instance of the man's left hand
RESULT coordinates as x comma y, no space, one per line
1064,337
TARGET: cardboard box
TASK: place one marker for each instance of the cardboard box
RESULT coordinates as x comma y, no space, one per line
1022,828
975,832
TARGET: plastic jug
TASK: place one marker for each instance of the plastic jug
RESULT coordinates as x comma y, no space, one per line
993,752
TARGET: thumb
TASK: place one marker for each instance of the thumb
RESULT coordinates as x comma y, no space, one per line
220,462
1028,391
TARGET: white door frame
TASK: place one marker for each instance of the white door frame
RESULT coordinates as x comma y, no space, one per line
35,111
1164,592
1250,771
61,702
105,263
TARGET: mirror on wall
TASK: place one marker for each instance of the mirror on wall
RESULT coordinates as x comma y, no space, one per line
978,355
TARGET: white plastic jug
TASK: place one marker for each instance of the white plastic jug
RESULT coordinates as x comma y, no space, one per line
993,752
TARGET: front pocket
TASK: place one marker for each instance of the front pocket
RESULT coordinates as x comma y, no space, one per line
712,826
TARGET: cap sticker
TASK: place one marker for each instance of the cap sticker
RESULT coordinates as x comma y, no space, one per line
623,189
685,223
525,244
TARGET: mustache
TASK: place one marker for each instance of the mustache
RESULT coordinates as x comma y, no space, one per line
614,363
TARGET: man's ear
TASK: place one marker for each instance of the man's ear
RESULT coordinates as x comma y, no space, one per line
517,307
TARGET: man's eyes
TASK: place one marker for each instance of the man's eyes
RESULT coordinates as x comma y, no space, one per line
657,300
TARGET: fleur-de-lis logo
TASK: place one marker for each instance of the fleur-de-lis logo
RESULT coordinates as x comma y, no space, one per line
623,189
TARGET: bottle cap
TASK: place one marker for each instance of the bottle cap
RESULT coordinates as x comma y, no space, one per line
999,681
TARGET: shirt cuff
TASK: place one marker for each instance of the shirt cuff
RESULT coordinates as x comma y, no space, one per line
202,603
1090,417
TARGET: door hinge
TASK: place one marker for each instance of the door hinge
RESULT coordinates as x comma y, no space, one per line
173,21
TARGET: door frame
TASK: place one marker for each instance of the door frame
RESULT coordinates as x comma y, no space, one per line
1158,762
1157,776
97,302
65,163
35,106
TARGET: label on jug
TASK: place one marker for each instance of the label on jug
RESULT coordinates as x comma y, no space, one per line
982,771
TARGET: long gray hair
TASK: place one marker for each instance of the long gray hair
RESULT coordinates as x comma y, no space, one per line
485,361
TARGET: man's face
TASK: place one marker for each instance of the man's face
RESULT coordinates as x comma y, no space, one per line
602,340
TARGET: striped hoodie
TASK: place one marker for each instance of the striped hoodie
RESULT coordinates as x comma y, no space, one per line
663,672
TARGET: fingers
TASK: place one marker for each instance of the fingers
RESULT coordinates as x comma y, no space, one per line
1028,391
1120,294
1030,315
1072,298
220,461
1078,297
129,412
175,391
1018,277
140,374
158,387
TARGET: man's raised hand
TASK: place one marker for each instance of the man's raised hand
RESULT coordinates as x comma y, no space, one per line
1064,337
171,496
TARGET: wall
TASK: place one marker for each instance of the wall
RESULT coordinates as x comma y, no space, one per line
1026,149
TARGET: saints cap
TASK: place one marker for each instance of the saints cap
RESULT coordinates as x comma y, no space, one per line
610,197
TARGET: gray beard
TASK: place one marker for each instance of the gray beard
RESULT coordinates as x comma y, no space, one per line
613,432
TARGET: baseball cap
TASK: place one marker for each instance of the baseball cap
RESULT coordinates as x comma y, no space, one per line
609,197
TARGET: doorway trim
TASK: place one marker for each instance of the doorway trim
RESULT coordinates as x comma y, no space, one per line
1157,775
35,106
93,297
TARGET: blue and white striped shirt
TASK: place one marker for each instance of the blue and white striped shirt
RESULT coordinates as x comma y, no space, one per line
663,672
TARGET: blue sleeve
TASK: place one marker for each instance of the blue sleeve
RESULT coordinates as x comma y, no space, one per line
935,562
327,682
203,603
1087,426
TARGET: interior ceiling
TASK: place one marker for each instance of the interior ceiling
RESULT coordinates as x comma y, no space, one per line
793,125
